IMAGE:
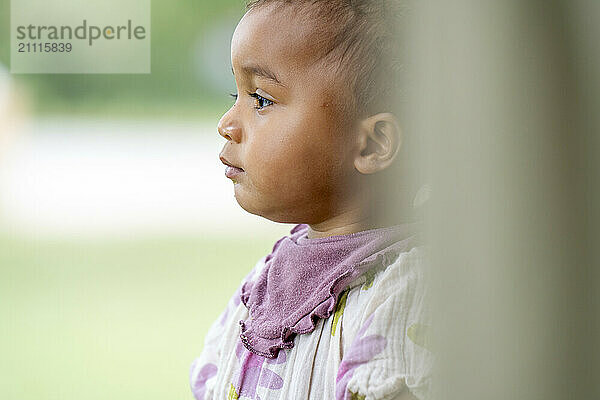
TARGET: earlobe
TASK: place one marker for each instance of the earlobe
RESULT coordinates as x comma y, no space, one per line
380,138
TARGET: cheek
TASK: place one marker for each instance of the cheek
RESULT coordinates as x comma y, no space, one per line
298,155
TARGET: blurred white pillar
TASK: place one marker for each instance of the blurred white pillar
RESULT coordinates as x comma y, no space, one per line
507,97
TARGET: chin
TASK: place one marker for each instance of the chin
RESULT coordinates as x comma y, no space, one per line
246,204
276,215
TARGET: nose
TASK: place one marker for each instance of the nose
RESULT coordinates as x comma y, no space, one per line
229,127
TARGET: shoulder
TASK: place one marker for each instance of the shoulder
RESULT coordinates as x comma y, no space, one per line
395,293
386,349
403,279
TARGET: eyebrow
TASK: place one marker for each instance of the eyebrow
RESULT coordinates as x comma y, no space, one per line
262,72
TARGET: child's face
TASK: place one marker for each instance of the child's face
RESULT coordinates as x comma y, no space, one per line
290,136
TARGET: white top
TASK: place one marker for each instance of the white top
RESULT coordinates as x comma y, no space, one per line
373,347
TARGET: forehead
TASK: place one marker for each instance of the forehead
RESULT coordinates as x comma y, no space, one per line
279,39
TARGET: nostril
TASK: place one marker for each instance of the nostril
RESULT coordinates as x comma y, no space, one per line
229,131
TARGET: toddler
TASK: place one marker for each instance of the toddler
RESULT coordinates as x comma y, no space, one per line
337,309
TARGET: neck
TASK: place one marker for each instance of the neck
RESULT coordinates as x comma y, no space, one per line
369,210
351,221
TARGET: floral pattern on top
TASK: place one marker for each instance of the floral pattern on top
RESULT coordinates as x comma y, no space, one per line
373,345
362,350
253,374
356,396
199,384
370,278
419,335
339,311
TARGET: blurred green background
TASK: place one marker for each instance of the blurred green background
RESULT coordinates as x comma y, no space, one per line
120,313
112,320
189,41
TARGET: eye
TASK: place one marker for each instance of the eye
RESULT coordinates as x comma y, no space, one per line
234,95
260,102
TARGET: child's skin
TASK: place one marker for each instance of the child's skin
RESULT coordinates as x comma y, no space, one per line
305,156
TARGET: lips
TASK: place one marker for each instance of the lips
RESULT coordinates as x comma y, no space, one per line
231,170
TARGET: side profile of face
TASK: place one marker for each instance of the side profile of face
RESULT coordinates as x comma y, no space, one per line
288,133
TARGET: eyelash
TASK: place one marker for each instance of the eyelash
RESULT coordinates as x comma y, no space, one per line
258,99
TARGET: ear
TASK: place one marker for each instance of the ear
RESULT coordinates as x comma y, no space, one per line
379,139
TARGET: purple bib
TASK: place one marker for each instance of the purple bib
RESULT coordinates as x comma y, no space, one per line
302,279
